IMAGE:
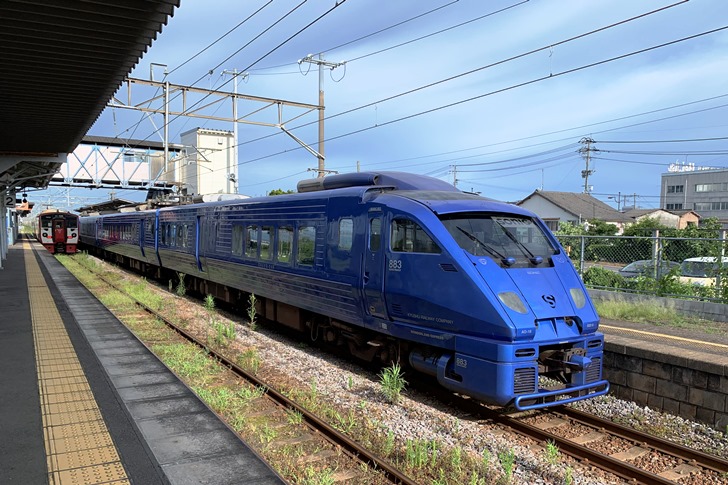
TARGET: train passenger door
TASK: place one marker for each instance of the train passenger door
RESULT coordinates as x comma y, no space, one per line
199,244
59,231
373,270
142,230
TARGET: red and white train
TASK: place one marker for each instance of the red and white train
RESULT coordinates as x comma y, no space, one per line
57,231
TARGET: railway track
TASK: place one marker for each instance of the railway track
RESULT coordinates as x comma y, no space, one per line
360,456
630,454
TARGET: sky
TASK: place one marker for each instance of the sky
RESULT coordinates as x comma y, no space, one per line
495,95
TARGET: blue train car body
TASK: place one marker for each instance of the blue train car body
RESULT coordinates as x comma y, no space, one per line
477,293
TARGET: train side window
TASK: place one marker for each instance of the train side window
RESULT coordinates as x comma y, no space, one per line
346,234
409,237
266,253
237,241
375,234
306,243
169,234
251,241
285,244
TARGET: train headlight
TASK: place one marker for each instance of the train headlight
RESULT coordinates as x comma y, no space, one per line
513,301
578,296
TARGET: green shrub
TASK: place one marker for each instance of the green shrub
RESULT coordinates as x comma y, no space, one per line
600,277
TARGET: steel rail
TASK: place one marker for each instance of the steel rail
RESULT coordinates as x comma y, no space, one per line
348,445
582,453
668,447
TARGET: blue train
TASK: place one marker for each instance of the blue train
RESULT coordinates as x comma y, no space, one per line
389,265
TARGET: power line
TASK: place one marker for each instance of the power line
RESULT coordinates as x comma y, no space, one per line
690,103
695,153
498,91
663,141
636,162
366,36
487,66
437,32
530,164
327,12
223,36
228,58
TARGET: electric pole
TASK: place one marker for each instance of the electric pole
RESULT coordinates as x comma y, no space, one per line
233,175
455,176
586,153
321,64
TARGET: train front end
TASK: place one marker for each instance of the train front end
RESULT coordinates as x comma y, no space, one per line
526,329
58,231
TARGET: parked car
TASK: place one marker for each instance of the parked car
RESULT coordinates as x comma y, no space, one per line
646,267
701,270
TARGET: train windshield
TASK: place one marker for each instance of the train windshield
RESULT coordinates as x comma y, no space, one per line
499,236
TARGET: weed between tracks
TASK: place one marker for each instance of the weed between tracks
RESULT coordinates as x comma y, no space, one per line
281,438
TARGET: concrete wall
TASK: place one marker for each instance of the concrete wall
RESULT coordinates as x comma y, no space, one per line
717,312
682,382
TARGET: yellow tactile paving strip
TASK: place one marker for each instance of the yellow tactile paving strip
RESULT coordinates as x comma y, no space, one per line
79,449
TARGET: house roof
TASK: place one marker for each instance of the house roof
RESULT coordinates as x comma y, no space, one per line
637,213
683,212
582,206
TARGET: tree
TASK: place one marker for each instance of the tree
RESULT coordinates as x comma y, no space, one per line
281,192
600,228
645,227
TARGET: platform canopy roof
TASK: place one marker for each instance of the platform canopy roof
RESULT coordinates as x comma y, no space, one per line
60,62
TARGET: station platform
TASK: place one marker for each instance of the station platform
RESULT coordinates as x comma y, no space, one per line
84,402
681,371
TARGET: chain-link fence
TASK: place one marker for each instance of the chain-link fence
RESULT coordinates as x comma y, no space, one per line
694,268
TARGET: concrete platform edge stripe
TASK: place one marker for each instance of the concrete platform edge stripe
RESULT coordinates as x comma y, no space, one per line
49,334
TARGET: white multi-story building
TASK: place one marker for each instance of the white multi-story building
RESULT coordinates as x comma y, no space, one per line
206,164
703,190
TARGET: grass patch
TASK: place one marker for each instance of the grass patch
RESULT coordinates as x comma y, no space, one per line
141,292
654,314
188,361
392,383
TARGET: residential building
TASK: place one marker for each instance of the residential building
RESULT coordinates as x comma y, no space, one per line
676,219
576,208
700,189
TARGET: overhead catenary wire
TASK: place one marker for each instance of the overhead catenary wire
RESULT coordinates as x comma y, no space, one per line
398,24
427,36
442,107
193,57
687,140
473,71
240,24
565,130
292,36
505,89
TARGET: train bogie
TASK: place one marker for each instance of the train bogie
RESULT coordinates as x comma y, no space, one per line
476,293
